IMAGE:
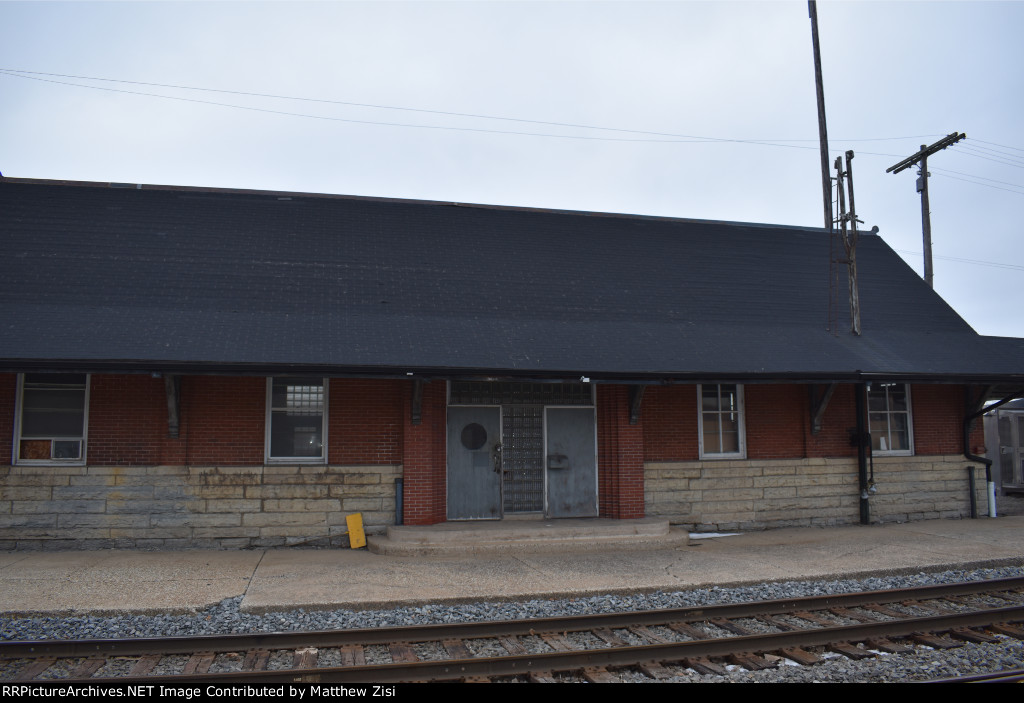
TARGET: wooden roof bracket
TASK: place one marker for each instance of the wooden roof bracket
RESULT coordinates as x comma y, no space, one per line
416,410
636,396
172,384
818,405
975,406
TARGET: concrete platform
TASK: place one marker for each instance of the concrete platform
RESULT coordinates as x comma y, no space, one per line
532,535
282,579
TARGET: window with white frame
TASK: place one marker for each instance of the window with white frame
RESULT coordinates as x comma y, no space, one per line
889,419
52,418
296,419
722,431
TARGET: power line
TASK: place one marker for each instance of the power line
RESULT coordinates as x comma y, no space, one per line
1015,148
976,262
16,73
944,172
1019,192
999,153
989,158
679,140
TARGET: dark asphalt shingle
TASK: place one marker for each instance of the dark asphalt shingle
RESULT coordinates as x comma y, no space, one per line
164,276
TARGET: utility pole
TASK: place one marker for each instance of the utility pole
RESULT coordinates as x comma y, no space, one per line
826,182
922,188
849,239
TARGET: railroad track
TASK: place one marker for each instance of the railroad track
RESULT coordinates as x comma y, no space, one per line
659,643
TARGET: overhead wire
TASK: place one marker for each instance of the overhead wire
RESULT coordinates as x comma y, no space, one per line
674,137
32,75
994,152
976,262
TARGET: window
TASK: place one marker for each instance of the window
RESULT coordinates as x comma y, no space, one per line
722,433
296,419
889,419
52,418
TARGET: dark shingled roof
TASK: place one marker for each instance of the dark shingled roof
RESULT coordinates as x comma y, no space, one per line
96,277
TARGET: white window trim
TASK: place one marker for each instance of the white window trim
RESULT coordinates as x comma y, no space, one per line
910,426
16,449
742,453
267,430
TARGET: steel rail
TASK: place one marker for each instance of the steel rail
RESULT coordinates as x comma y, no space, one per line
1009,676
471,630
516,665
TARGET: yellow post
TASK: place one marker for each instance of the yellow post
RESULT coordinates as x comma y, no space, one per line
356,536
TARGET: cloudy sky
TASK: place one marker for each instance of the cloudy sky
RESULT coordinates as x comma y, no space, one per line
683,109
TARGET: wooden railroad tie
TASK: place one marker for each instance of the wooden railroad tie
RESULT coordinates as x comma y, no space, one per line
34,669
402,652
87,668
703,665
540,677
305,658
654,670
512,645
147,663
886,645
850,650
557,642
352,655
598,674
751,662
609,637
198,663
935,641
970,635
800,655
457,649
256,660
1003,628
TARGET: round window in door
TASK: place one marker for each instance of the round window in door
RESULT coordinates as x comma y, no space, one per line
474,436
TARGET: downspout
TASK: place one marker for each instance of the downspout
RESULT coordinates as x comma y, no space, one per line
968,419
862,456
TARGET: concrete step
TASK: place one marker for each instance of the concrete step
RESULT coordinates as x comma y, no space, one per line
537,535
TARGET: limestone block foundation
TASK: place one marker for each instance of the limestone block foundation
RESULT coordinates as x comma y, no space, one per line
709,496
180,507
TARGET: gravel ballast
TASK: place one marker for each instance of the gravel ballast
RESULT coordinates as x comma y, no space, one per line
227,617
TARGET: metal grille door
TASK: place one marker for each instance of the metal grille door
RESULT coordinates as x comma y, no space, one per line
522,458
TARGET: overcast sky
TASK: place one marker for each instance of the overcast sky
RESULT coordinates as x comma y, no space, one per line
690,86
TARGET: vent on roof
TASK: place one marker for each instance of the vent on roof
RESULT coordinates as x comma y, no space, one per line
136,186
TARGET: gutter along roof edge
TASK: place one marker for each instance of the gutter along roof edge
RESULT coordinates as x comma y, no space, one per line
442,373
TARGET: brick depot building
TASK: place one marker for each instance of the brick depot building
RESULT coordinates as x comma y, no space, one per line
183,367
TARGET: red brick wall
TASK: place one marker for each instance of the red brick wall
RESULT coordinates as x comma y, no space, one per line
938,417
775,419
839,420
778,422
8,396
222,423
620,460
423,456
127,420
365,421
223,420
669,418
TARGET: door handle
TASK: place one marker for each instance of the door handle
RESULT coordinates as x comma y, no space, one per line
496,456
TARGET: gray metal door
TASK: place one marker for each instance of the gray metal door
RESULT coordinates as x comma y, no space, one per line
571,462
1011,449
474,463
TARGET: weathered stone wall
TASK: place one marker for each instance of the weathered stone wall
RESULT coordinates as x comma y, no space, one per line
762,494
173,507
